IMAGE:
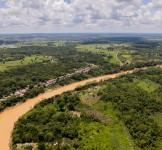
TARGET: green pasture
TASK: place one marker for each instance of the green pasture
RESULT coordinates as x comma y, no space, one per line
101,49
127,56
27,60
158,118
106,108
110,136
147,85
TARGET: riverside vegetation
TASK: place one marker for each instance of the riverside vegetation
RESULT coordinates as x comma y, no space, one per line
114,114
122,113
36,64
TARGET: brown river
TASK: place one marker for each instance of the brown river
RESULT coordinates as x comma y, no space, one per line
10,116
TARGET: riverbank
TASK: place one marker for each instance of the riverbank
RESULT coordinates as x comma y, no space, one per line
10,116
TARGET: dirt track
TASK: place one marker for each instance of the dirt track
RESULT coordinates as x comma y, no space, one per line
10,116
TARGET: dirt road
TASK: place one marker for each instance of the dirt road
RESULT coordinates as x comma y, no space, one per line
10,116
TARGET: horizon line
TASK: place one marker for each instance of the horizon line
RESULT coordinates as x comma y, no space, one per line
83,33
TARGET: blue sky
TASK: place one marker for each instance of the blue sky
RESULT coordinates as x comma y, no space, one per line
27,16
68,1
146,1
2,4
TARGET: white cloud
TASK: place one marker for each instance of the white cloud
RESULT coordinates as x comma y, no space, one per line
80,15
157,3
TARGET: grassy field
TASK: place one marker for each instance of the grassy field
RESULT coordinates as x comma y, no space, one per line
108,136
127,56
106,108
111,135
158,119
95,48
101,49
148,85
113,53
127,53
27,60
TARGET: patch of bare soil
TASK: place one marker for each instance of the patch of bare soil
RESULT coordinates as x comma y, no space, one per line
76,113
26,145
91,99
101,117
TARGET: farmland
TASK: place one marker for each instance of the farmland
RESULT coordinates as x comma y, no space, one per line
122,53
101,49
25,61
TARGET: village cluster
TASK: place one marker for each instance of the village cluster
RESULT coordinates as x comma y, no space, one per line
21,92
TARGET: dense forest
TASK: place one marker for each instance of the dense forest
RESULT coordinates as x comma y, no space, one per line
52,120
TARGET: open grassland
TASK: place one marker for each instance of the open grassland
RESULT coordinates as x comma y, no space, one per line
158,118
119,54
106,108
102,46
95,48
42,43
123,54
27,60
148,85
103,136
107,50
127,56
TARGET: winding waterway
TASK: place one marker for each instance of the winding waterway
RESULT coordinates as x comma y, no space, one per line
10,116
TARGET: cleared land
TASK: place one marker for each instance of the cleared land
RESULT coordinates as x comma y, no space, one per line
27,60
148,85
109,136
109,53
121,54
158,119
113,134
